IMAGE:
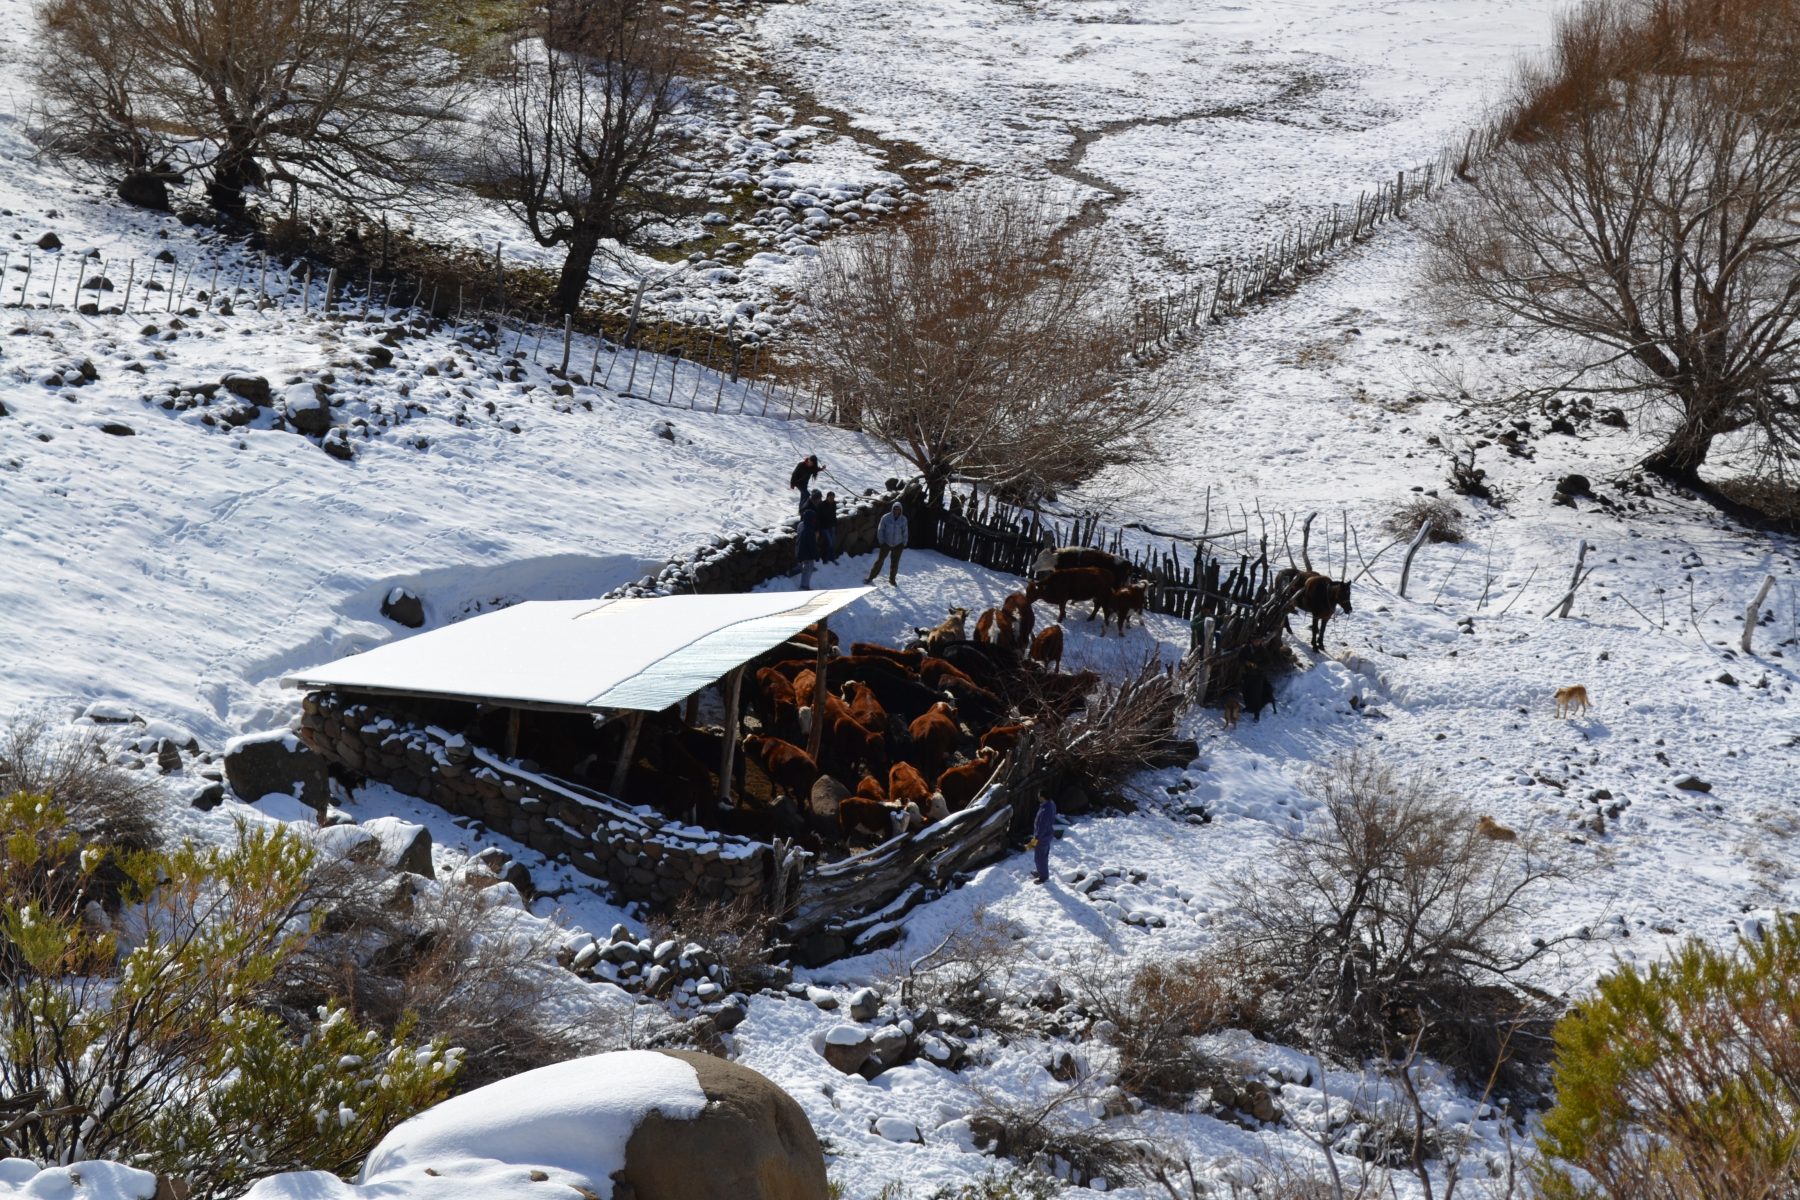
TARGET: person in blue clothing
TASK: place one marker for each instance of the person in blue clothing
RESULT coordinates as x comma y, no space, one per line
1043,828
806,545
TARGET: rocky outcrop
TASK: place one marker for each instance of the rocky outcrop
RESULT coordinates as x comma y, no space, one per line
278,762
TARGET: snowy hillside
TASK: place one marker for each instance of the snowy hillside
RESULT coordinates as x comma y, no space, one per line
170,552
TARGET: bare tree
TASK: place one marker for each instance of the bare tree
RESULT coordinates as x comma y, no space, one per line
1646,210
340,94
982,339
589,124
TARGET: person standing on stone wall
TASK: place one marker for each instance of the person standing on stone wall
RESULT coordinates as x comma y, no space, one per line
803,476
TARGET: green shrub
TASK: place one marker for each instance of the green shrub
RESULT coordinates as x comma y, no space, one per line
133,1016
1682,1081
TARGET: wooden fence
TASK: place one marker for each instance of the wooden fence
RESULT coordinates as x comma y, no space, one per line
855,905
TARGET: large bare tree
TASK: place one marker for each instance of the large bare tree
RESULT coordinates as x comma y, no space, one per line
1647,210
340,94
982,339
589,123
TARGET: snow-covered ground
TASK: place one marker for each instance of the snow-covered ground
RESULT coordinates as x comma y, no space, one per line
1216,124
176,573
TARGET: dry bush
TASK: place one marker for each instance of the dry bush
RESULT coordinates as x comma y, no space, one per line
1407,518
1124,727
973,973
1155,1015
982,339
105,804
737,932
1046,1132
478,976
1388,918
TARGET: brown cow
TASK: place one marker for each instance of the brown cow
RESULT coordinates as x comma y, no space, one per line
1074,583
778,697
857,815
865,709
937,671
985,626
1024,618
907,786
804,685
1123,602
1002,738
870,788
1321,597
934,737
1047,647
910,659
787,765
962,783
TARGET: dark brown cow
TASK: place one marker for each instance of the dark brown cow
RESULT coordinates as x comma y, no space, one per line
1002,738
907,786
864,707
962,783
1024,619
871,817
1123,602
1321,597
1047,647
910,659
1077,583
788,766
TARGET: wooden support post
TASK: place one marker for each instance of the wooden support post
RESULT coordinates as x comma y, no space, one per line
568,331
1568,601
734,690
691,713
1754,611
815,740
633,724
1419,540
512,733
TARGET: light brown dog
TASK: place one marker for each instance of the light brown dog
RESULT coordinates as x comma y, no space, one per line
1491,829
1567,698
1234,708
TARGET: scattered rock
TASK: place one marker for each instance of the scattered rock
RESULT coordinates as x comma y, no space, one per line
403,608
118,429
306,409
404,845
337,444
1693,783
145,189
49,242
253,388
168,756
276,762
865,1004
847,1048
896,1129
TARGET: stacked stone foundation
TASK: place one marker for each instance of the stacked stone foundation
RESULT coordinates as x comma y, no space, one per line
643,855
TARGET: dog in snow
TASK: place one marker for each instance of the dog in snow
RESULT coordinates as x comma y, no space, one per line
1567,698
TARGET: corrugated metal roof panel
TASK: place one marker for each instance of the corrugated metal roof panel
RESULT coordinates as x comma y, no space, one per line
639,654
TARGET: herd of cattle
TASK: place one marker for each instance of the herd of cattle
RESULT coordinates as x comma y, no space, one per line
909,736
912,735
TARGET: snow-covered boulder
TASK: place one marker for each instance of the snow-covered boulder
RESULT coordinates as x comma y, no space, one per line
654,1125
92,1180
278,762
404,845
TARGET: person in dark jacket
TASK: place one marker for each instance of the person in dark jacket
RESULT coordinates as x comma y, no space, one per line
803,475
828,527
1043,828
806,545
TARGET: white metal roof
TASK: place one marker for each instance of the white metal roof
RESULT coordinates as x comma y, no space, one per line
641,654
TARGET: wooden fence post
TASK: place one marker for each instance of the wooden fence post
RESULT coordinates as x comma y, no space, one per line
1406,568
734,686
1568,601
815,737
1755,610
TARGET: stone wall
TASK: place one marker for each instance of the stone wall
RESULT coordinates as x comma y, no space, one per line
741,562
642,854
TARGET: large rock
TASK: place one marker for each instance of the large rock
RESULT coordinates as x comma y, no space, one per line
404,845
403,608
306,409
276,762
753,1142
633,1124
827,795
253,388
